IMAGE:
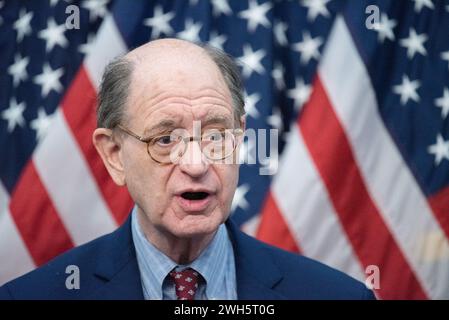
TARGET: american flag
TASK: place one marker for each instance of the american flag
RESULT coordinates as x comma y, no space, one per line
359,91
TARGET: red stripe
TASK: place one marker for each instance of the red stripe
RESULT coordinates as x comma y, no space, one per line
36,219
440,206
273,229
361,220
79,109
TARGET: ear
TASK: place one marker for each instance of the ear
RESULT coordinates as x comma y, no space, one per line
110,152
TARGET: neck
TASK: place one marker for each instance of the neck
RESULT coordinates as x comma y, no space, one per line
179,249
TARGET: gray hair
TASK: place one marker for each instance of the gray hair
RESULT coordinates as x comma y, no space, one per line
114,91
114,88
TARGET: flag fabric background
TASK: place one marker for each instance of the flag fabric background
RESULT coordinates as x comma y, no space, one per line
361,106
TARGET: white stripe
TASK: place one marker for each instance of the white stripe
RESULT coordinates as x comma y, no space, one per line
107,45
14,256
305,204
388,179
70,185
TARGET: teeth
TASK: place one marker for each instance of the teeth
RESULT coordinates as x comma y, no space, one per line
194,195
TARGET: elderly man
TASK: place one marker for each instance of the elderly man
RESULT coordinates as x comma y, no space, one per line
170,119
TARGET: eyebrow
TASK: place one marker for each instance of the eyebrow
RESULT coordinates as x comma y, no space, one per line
168,124
162,125
217,119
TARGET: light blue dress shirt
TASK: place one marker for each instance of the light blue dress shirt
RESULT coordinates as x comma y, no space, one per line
215,264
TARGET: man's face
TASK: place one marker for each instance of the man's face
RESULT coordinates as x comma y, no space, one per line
170,96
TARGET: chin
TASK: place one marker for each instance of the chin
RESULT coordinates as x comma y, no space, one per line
193,226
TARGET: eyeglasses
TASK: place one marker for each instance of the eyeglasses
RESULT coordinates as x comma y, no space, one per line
216,145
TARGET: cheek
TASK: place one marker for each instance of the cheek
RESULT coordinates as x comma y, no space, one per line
228,175
145,180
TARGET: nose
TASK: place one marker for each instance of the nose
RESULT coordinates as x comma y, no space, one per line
193,162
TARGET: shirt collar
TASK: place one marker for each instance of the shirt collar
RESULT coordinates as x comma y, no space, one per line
157,265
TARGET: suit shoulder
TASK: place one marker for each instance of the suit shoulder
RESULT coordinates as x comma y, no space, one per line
307,277
49,280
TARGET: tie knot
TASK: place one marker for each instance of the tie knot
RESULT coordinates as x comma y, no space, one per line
186,283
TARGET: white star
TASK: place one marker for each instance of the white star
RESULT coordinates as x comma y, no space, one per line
445,56
414,43
419,4
41,123
300,93
54,2
315,8
49,79
216,40
251,104
191,31
18,70
239,200
279,30
440,149
385,28
221,6
247,152
97,8
251,61
278,75
255,15
407,90
53,35
193,2
85,48
23,24
308,48
160,22
443,103
275,120
14,114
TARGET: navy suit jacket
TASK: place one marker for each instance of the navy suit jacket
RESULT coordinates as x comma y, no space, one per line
109,270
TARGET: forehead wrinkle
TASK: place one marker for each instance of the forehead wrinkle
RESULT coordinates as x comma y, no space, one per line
185,97
165,99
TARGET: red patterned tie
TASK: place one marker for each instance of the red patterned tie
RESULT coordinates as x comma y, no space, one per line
186,283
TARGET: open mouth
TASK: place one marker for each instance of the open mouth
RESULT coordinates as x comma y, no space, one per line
194,195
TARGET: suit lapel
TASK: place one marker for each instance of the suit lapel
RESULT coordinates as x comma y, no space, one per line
256,273
118,268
